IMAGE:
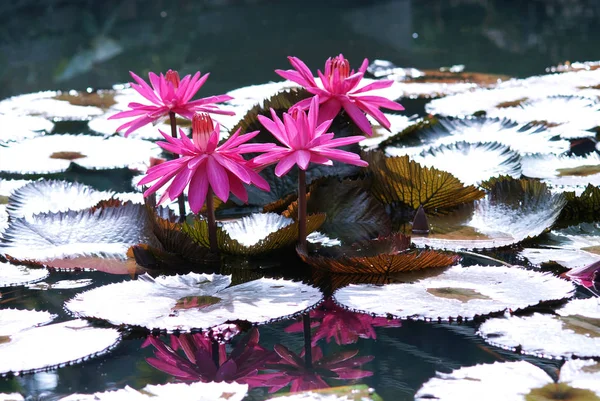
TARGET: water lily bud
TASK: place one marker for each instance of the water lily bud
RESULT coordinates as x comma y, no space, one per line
173,78
202,127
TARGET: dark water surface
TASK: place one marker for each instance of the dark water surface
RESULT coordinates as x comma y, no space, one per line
56,44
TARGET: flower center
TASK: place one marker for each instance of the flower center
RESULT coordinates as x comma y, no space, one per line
173,78
341,65
202,127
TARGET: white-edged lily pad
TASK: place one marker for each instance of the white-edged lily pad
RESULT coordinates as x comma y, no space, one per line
13,321
11,397
521,138
55,153
3,219
573,332
11,275
359,392
61,285
55,345
251,229
473,163
193,301
563,171
107,232
48,105
574,246
457,292
50,196
8,186
580,113
515,381
581,373
17,128
511,211
198,391
398,123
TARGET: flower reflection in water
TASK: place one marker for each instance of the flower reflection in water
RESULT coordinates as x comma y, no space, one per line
206,360
293,370
344,326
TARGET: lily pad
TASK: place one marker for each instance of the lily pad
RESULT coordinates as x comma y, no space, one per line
573,332
3,219
256,234
56,106
11,275
399,179
574,246
198,391
583,207
107,232
562,171
70,342
502,381
521,138
61,285
398,123
381,256
352,214
511,211
464,292
360,392
16,320
490,158
17,128
259,301
578,113
55,153
53,196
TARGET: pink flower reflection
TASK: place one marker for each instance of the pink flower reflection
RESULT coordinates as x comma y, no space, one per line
199,365
291,370
344,326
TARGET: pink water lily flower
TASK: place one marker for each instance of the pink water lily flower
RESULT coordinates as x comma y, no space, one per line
204,165
339,88
304,141
168,94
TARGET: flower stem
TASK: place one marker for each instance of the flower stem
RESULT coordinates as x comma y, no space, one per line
302,210
212,222
180,199
307,341
215,353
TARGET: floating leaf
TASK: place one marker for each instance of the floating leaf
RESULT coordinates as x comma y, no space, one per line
53,196
521,138
61,285
51,105
17,128
14,321
104,232
256,234
380,256
575,112
512,211
573,332
398,179
359,392
490,158
398,123
563,171
352,214
55,345
585,207
152,303
464,292
55,153
198,391
20,275
3,219
509,381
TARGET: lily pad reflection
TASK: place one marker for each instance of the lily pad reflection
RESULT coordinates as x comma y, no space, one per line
175,302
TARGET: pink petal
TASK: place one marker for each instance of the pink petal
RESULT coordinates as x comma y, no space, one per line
179,183
374,86
358,117
217,177
275,127
234,167
329,110
293,76
303,69
302,158
237,188
145,90
364,66
198,189
285,164
343,156
379,101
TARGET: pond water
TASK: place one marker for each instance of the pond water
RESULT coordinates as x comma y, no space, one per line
60,45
